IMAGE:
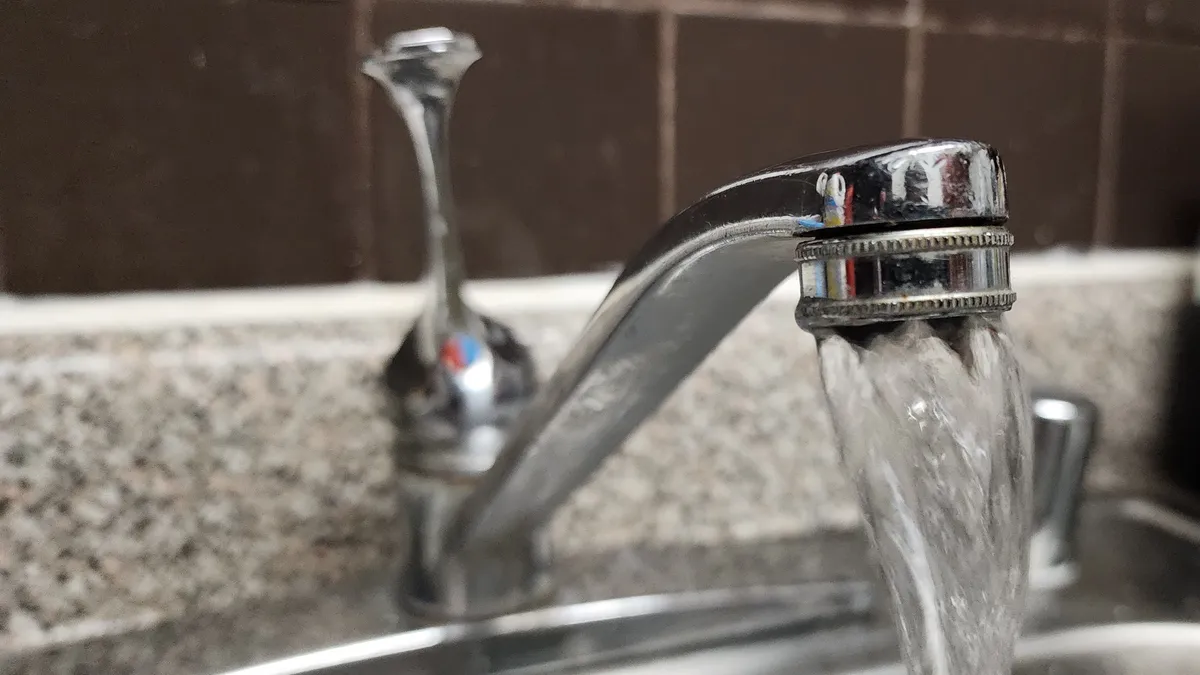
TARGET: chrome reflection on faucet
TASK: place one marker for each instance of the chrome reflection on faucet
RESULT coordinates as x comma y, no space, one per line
882,233
834,188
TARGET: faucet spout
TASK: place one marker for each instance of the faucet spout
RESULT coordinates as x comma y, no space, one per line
882,233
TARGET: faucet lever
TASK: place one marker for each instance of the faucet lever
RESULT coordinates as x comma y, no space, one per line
421,70
1064,426
459,379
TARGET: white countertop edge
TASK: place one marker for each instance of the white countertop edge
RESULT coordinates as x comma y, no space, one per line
580,292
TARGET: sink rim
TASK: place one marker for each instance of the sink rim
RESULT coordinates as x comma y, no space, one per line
1109,637
1094,640
767,607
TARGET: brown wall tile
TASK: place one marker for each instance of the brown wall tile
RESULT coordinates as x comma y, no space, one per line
857,5
193,143
554,141
1086,15
1163,20
1038,102
1158,182
754,93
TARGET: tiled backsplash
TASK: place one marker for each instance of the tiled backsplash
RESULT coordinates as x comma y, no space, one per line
214,143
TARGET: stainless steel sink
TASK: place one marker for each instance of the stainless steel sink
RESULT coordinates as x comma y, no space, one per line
647,634
803,606
1133,607
801,648
1133,648
1160,648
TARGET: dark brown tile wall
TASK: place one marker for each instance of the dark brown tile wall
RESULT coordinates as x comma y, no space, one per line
1039,102
1162,20
192,143
1158,181
747,97
221,143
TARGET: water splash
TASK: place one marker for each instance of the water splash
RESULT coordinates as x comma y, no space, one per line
934,425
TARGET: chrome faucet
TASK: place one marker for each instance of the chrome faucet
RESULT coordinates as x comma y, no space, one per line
879,234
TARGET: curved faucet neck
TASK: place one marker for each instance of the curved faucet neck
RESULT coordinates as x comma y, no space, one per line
878,234
705,269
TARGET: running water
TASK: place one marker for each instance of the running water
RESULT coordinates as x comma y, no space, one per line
934,426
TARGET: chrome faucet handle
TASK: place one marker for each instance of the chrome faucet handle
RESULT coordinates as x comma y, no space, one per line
420,70
1064,427
459,379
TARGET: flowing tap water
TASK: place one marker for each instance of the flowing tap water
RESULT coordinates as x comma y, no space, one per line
934,426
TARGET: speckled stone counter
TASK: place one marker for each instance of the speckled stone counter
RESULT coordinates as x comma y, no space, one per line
158,474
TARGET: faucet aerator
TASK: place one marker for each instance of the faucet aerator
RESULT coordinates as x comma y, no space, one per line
927,273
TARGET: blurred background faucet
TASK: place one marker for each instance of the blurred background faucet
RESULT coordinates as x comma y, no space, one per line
878,234
459,379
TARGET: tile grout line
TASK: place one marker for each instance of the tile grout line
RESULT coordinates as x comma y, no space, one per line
668,40
1058,33
3,259
828,13
1126,40
1110,129
914,68
812,12
363,169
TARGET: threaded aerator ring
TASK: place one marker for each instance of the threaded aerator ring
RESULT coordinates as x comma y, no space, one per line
916,241
929,273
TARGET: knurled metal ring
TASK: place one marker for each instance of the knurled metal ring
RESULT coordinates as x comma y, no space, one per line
892,243
820,312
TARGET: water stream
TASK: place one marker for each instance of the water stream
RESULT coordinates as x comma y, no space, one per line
935,431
